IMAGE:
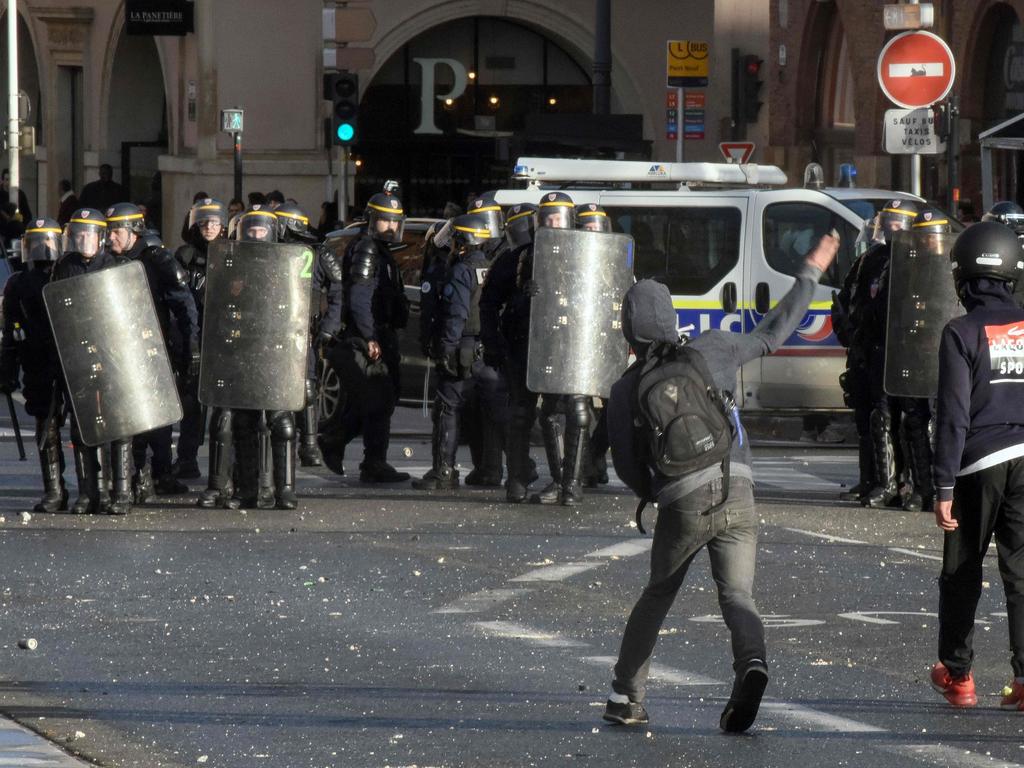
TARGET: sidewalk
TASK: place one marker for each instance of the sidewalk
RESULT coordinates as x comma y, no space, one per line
21,748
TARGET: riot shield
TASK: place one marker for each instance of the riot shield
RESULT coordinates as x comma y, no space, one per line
576,344
256,325
922,299
115,361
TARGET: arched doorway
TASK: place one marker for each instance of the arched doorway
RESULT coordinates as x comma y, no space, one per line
447,114
834,102
28,83
137,119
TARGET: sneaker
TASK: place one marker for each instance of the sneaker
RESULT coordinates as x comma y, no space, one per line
959,691
741,709
1013,697
380,472
630,713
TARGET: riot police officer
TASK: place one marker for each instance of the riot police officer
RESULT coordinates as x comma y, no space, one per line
168,283
1008,213
82,244
591,217
27,344
566,453
367,357
457,351
293,227
979,456
207,222
505,333
867,348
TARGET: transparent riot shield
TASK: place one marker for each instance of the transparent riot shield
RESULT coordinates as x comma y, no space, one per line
256,325
115,361
922,299
576,344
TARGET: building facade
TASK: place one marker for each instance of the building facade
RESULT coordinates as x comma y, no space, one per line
826,104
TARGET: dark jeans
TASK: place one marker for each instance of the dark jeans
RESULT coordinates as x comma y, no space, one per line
193,425
159,440
987,502
684,527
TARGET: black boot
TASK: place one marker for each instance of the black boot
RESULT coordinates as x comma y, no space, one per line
884,490
441,478
168,485
120,478
309,451
220,489
87,470
915,425
55,495
431,481
866,470
284,474
142,485
488,474
575,452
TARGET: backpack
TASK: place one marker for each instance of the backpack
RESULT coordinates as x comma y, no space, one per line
685,422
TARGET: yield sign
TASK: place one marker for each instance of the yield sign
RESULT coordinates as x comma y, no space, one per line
916,69
736,151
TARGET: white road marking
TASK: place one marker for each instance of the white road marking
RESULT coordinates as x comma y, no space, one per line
942,755
556,572
478,602
871,617
820,721
825,536
507,629
627,548
912,553
660,673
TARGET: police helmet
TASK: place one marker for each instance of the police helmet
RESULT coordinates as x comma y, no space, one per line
593,217
556,211
931,221
258,224
485,205
385,219
1008,213
84,232
521,224
293,224
208,209
151,238
896,215
126,216
42,241
471,229
987,249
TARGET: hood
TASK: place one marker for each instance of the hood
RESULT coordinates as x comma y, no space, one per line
986,292
648,315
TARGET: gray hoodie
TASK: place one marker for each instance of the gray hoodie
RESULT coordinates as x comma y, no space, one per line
648,316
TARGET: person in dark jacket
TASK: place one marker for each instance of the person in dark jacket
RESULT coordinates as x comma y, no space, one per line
693,511
367,357
68,202
104,192
168,283
979,455
28,345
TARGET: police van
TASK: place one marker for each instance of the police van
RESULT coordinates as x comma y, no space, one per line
727,240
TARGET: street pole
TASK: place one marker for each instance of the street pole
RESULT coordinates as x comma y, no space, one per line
953,156
237,135
915,159
343,188
13,145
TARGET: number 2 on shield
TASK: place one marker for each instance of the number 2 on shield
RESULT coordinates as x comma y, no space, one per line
307,269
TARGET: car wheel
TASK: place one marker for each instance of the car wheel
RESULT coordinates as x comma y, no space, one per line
329,397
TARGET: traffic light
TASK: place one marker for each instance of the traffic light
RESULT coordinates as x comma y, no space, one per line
342,90
750,87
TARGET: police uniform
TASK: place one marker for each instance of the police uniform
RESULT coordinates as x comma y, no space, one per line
458,352
27,344
375,308
979,456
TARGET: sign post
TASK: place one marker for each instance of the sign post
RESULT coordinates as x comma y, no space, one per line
686,66
232,121
915,69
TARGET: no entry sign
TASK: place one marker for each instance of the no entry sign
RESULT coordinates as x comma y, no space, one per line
916,69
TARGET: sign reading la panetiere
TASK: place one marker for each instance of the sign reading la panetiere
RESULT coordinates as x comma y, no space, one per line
158,17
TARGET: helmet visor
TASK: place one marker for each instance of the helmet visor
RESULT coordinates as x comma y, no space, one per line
41,245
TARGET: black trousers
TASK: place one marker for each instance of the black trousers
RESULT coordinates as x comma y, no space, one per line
985,503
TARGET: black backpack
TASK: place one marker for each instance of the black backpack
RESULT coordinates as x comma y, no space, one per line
684,420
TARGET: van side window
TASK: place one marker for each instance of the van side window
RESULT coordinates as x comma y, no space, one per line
688,249
792,229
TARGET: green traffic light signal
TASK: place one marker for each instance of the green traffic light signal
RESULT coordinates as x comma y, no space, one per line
346,132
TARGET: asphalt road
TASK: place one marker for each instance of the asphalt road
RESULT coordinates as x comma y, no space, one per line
381,627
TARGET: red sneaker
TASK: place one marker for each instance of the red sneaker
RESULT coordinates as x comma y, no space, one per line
959,691
1013,697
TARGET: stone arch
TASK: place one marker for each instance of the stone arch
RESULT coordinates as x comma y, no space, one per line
540,17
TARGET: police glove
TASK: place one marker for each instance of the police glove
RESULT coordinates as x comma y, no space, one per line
193,366
448,364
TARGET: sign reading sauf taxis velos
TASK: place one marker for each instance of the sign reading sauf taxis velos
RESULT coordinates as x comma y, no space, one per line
686,63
